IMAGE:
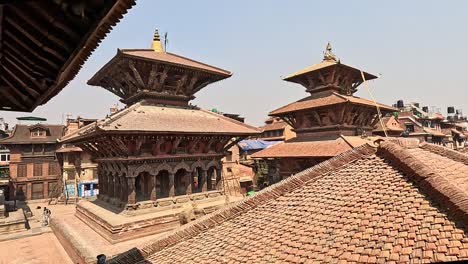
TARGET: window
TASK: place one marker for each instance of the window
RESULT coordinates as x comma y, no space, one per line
37,171
22,170
71,174
5,157
53,168
37,133
410,128
37,191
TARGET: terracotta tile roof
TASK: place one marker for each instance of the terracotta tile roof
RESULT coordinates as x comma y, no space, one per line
70,148
326,64
318,148
390,123
22,134
173,59
274,126
366,205
140,118
335,98
433,132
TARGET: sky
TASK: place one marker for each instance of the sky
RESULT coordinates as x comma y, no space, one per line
418,48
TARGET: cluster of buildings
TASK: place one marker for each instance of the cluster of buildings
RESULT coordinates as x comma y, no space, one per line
339,177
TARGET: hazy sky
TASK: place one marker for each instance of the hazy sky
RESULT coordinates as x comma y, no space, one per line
418,47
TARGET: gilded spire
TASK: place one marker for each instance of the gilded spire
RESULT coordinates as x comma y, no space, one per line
157,45
328,54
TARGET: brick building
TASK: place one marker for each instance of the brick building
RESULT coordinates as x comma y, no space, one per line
34,170
79,172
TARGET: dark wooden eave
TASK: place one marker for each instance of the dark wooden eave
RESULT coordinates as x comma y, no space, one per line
43,45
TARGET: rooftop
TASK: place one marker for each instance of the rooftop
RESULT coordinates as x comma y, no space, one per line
313,101
140,118
22,134
392,202
45,43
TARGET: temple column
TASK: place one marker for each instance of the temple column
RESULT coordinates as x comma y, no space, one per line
123,189
131,197
188,183
218,179
204,180
102,184
117,187
195,176
171,185
143,185
152,187
111,186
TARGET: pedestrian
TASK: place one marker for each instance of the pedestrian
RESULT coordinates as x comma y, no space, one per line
48,213
44,216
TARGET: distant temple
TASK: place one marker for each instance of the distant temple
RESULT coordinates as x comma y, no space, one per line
160,151
328,122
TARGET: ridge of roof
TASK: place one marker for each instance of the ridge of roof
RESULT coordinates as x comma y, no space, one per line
218,70
434,184
256,129
99,122
274,191
446,152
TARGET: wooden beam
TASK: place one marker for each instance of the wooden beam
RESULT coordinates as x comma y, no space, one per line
137,75
40,10
11,98
32,91
1,31
15,53
18,93
29,49
43,46
22,63
28,19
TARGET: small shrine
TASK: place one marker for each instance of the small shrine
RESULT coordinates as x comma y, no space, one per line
328,122
160,153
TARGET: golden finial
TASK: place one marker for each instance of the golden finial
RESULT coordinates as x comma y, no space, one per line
328,54
157,45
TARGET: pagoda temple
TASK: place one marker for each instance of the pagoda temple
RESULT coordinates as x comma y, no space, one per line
160,151
328,122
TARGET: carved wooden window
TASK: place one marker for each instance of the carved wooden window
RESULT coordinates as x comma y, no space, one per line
71,174
37,169
37,191
22,170
53,168
38,133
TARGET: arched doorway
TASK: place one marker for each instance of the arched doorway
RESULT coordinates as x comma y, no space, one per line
142,187
211,178
162,184
197,180
181,181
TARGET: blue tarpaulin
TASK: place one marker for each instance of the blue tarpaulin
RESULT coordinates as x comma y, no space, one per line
254,144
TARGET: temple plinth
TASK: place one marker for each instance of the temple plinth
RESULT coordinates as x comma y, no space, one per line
328,122
159,154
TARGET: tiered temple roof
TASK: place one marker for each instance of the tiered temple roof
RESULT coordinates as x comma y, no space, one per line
394,202
330,112
158,86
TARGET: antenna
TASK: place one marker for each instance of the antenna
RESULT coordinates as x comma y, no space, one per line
166,41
